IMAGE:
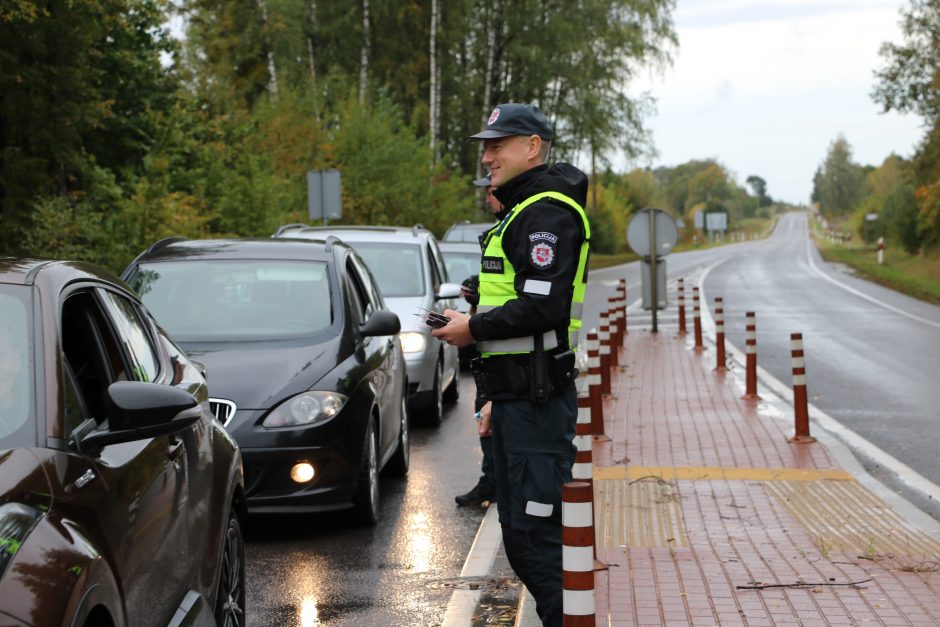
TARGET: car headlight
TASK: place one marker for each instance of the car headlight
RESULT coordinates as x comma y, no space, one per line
305,409
412,341
16,521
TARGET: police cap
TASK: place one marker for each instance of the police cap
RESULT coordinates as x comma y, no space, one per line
483,181
516,119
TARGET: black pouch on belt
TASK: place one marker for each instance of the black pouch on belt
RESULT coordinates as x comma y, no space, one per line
563,371
539,379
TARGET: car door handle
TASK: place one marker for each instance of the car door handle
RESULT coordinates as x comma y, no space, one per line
175,449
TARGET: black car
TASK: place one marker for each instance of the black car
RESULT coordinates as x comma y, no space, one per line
305,366
121,496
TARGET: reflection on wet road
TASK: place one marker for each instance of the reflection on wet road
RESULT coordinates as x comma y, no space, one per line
321,569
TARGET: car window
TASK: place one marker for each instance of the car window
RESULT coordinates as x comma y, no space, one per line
132,333
368,282
235,299
437,261
17,426
364,306
461,265
397,267
92,353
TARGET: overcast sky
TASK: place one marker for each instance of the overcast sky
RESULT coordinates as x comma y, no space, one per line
764,87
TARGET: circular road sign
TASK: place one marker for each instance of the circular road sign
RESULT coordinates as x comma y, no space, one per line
638,232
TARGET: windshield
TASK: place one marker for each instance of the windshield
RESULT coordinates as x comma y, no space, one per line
461,266
17,426
468,233
236,300
397,268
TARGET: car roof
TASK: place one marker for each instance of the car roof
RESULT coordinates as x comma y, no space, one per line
176,249
350,233
23,271
459,247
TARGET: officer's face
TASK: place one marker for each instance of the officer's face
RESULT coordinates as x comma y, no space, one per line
491,200
507,157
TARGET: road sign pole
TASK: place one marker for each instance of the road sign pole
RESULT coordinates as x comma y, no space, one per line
654,275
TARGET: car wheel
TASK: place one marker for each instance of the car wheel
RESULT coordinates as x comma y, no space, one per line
366,499
434,412
398,464
230,596
452,393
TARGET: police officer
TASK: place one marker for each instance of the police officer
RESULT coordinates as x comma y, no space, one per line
532,280
485,489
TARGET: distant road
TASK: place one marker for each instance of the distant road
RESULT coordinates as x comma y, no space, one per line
873,355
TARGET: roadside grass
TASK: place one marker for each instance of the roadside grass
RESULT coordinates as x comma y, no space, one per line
915,275
750,228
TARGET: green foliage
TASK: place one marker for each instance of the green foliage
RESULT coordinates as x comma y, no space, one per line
900,216
113,135
839,183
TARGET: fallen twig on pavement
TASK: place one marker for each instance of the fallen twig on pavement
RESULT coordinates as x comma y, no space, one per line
802,584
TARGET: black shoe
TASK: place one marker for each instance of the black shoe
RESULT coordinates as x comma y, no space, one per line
477,496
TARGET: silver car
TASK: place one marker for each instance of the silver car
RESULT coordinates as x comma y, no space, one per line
410,271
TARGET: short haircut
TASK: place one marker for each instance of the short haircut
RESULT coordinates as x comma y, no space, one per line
545,150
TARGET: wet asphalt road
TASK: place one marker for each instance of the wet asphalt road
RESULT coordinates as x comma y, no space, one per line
323,570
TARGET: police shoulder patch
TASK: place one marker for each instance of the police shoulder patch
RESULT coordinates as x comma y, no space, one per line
542,246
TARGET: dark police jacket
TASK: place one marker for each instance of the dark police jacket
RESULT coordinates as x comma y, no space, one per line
532,313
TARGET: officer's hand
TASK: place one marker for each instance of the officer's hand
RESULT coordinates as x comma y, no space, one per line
457,331
485,426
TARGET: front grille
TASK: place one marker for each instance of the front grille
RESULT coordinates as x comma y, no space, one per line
222,409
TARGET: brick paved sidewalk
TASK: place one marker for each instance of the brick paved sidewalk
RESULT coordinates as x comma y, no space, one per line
706,515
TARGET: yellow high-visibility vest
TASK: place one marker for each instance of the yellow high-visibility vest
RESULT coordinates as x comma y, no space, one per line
497,288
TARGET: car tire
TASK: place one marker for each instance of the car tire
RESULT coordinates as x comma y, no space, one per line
230,594
452,393
366,498
434,412
398,464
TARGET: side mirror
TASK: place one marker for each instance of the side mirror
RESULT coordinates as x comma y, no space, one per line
382,322
139,410
201,367
448,290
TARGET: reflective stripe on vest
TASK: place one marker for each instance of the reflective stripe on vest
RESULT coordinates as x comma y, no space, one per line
497,288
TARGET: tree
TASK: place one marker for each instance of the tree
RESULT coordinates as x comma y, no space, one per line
840,181
910,82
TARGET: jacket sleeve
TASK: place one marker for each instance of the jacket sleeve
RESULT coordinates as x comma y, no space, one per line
542,245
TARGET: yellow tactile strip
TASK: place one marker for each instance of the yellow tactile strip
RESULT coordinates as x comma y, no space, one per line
638,512
716,473
844,516
639,506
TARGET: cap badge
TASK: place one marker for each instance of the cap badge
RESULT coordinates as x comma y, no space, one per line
493,117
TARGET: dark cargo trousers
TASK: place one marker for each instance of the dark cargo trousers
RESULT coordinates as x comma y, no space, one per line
533,452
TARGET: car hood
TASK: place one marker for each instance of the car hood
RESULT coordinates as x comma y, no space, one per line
23,480
405,307
260,375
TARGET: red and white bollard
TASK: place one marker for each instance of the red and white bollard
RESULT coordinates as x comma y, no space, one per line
750,349
623,308
577,554
720,334
682,330
697,319
800,401
594,383
615,341
583,468
604,337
